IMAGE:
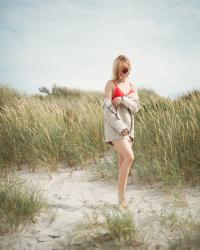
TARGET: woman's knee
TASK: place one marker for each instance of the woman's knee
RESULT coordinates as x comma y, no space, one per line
129,157
124,149
120,158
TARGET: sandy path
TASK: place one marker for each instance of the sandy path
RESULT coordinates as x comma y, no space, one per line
70,194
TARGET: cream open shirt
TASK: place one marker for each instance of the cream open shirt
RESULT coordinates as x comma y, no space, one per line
117,119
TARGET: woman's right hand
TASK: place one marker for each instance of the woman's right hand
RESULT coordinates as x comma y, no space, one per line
125,131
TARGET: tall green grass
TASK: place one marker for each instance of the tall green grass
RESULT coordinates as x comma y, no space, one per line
42,132
38,133
168,141
8,95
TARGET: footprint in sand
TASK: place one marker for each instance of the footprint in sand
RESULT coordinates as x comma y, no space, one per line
65,207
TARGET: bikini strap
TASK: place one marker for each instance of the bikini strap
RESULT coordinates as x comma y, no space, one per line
114,82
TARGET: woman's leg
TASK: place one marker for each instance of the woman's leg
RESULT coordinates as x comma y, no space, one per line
126,157
120,156
120,160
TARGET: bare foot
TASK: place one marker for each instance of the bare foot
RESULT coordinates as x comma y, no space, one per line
122,201
122,204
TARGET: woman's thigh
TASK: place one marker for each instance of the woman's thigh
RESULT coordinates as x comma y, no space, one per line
124,148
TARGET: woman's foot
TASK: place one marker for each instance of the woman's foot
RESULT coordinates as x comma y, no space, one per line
123,204
122,201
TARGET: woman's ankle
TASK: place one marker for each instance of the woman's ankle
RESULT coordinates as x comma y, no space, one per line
121,195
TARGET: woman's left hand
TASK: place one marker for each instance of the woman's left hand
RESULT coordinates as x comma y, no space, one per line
116,101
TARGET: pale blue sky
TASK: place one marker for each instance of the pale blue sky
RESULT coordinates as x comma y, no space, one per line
74,43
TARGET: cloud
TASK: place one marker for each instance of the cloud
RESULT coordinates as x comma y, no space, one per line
75,43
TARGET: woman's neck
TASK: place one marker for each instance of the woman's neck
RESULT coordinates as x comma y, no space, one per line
123,80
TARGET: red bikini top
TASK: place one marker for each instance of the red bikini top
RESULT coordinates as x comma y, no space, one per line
118,92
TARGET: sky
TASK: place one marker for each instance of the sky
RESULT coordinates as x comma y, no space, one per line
74,43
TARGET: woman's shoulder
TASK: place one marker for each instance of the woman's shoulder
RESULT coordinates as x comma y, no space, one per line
111,81
110,84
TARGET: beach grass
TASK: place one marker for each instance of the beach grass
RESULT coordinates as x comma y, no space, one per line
20,203
67,125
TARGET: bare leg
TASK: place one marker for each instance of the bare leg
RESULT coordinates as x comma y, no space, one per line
120,160
124,172
125,160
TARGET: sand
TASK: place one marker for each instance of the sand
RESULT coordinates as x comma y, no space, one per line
72,193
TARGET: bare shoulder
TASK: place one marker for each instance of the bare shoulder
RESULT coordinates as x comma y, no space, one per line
108,87
109,84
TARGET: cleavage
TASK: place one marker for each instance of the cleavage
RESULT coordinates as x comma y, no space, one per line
124,92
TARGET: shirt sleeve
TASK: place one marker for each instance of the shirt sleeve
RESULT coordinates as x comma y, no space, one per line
131,101
110,115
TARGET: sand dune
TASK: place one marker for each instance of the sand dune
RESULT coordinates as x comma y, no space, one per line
71,193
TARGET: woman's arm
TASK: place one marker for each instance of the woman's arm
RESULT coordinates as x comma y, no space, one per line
110,113
132,101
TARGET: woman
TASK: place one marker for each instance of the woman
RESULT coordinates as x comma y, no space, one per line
121,101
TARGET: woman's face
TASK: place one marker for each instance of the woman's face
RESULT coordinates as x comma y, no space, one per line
123,73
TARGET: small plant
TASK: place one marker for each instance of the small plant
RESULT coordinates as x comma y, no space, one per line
19,203
107,228
120,225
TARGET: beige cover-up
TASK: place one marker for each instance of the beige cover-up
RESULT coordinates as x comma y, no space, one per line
117,119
